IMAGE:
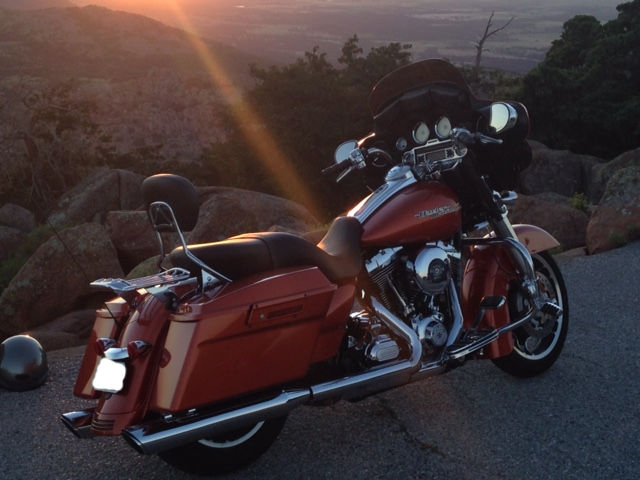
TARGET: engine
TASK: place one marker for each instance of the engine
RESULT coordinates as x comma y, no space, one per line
414,283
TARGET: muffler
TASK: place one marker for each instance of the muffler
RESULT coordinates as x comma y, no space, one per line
163,434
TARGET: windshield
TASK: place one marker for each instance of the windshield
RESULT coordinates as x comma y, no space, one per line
411,77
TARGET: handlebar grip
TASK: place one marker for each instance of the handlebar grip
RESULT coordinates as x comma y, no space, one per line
336,167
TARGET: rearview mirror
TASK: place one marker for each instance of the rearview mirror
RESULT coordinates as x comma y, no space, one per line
344,150
503,117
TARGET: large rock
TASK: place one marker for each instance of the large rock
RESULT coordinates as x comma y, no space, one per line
70,330
601,173
52,283
554,214
558,171
617,217
10,240
17,217
225,212
133,237
102,191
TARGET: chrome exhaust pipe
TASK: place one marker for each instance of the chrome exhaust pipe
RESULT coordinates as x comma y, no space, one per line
164,434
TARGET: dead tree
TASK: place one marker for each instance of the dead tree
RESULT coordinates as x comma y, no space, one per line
480,43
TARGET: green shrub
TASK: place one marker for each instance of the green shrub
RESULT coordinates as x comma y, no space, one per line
580,202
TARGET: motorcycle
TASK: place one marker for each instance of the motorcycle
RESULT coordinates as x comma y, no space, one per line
202,362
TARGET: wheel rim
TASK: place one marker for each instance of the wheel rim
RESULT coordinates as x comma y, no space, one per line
539,337
231,439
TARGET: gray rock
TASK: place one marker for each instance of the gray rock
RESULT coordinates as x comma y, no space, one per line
101,192
52,283
601,173
17,217
10,240
558,171
69,330
554,214
616,220
226,212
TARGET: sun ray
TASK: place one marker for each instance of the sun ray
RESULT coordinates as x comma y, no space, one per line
247,120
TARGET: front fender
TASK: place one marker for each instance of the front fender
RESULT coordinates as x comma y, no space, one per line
535,239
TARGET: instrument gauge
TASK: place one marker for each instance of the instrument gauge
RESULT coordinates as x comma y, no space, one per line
443,128
401,144
421,133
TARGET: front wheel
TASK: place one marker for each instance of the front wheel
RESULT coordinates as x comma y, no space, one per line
225,452
538,343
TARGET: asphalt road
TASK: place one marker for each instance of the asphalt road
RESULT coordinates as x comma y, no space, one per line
579,420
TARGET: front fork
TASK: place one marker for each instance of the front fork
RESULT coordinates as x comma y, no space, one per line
521,256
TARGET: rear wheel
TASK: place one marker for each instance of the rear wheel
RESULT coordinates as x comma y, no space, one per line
225,452
538,343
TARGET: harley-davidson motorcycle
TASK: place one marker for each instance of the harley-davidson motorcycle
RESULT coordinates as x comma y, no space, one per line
202,362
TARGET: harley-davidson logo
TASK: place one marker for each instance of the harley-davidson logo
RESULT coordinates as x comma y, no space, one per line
438,212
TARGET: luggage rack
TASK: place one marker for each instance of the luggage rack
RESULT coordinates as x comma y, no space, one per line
119,285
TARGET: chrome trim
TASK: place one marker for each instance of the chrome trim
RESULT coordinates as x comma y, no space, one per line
116,354
79,422
397,179
119,285
458,319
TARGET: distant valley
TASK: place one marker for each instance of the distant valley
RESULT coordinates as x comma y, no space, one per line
282,30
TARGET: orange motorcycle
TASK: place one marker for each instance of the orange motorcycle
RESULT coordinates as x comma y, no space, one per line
202,362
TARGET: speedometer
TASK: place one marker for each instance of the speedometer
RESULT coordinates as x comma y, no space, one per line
421,133
443,128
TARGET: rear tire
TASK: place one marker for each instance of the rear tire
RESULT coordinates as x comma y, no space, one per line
226,452
538,344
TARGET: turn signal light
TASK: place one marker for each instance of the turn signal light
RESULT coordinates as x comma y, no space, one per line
103,344
137,348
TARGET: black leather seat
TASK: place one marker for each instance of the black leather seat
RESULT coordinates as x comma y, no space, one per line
337,255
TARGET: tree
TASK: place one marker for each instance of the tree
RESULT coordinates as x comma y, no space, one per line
488,32
585,95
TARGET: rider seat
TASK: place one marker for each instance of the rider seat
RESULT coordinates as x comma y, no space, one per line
337,255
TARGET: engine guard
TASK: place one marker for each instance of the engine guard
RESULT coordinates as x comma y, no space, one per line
491,271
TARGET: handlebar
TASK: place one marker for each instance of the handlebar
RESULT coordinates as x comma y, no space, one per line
336,167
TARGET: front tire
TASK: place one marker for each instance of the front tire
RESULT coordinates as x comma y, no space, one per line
226,452
538,344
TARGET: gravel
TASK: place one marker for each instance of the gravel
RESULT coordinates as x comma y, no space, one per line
579,420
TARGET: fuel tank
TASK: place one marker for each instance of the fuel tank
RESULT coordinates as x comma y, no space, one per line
421,212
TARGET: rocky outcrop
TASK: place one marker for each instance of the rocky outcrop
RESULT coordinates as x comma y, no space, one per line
601,173
617,217
10,240
17,217
66,331
101,192
554,214
558,171
132,236
225,212
52,283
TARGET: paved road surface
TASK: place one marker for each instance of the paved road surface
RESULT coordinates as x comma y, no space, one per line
581,420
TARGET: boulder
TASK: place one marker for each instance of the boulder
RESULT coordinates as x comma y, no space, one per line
70,330
101,192
601,173
53,283
133,237
554,214
616,220
17,217
10,240
225,212
559,171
